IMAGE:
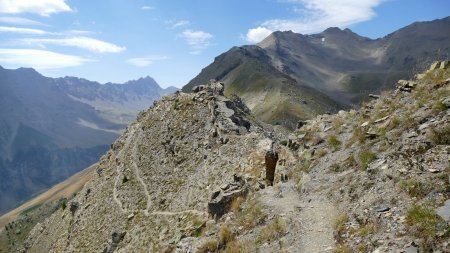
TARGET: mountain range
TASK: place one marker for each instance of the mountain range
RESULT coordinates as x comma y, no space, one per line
50,128
290,76
196,172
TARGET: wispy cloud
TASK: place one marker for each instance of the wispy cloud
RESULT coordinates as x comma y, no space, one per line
39,59
41,7
79,32
147,8
145,61
91,44
20,21
317,15
197,40
10,29
180,23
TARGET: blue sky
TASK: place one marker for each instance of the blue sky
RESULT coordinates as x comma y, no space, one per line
171,41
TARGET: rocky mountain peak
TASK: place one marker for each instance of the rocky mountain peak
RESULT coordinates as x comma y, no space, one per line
341,36
23,73
290,76
333,30
278,37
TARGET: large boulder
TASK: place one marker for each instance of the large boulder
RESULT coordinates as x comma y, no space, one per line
221,199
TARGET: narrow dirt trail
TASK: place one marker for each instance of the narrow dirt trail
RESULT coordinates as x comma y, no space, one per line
132,141
196,212
119,167
115,198
316,218
309,215
137,173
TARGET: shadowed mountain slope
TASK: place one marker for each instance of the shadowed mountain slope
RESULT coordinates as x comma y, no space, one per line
50,128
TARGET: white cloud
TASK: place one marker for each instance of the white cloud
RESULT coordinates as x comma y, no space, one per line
38,59
317,15
180,23
20,21
147,8
197,40
41,7
93,45
257,34
79,32
145,61
9,29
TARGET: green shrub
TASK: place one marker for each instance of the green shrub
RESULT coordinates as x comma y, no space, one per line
226,235
342,248
415,188
350,161
340,227
441,135
367,229
251,215
393,123
320,153
340,221
439,107
208,246
284,142
335,167
366,157
125,179
241,246
334,142
424,223
357,136
63,204
272,231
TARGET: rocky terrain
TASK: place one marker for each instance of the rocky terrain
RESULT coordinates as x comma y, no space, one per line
51,128
290,76
198,173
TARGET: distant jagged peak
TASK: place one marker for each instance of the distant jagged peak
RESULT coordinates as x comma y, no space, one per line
336,32
333,30
278,37
27,70
143,81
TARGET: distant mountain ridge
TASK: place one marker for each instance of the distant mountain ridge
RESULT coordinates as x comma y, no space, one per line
290,76
50,128
127,98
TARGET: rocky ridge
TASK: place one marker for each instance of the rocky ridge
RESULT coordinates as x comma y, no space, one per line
153,186
369,180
